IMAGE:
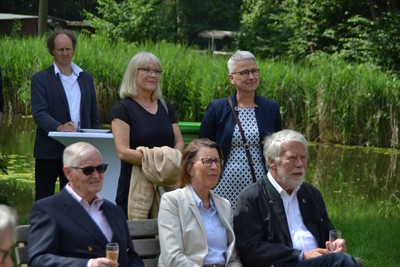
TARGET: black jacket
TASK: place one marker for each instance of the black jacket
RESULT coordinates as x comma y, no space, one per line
50,109
261,228
63,234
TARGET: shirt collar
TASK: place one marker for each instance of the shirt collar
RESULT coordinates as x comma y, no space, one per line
278,188
98,201
198,201
75,69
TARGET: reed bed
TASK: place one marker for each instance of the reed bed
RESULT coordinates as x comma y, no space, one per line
324,97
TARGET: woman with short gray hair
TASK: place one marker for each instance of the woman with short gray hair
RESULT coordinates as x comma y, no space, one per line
239,124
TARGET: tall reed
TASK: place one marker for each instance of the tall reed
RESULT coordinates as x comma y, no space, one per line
324,97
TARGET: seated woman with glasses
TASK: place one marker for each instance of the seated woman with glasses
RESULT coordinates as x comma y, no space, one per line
258,117
195,224
141,118
7,225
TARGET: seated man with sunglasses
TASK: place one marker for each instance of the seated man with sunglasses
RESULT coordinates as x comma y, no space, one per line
73,227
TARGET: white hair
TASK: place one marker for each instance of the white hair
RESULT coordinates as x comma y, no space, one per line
8,218
75,152
239,56
273,143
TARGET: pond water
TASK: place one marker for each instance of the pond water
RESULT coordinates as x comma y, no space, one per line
353,180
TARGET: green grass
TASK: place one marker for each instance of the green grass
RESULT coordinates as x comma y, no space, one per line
375,240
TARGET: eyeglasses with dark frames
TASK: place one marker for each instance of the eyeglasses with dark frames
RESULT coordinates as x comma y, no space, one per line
246,73
88,170
150,71
209,161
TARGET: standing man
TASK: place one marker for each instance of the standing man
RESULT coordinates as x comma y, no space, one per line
282,221
73,227
63,99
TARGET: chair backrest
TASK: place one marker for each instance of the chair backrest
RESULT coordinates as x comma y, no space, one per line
144,234
21,241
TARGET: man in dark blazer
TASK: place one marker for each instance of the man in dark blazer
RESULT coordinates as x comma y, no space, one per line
282,221
63,98
73,227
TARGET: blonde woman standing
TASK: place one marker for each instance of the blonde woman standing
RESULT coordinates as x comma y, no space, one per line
141,118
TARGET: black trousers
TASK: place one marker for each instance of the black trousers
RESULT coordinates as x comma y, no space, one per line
337,259
46,173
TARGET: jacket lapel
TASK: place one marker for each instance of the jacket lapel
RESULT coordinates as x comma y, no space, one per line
310,214
223,210
56,80
82,85
187,192
114,224
276,204
70,206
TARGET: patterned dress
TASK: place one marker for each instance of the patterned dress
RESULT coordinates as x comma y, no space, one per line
237,175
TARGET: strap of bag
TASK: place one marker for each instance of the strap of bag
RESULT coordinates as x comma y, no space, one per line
245,144
162,100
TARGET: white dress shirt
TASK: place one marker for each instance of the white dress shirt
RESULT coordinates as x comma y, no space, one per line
302,238
72,91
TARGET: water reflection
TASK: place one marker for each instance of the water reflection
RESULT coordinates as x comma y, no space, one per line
354,181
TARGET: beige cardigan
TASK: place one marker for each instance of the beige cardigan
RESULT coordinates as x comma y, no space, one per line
160,167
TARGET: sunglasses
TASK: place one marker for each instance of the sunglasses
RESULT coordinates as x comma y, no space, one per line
88,170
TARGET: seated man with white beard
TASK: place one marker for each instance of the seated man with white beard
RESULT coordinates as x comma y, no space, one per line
281,220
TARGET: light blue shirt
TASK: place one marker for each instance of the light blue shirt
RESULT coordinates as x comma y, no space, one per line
217,238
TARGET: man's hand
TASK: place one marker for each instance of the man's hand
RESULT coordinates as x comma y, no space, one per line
67,127
339,245
103,262
315,253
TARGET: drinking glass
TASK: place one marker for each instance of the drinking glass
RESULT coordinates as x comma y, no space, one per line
333,235
112,250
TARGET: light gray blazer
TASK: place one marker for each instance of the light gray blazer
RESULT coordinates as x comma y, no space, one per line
182,236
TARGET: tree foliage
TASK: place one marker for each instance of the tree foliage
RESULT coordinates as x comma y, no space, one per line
171,20
127,20
68,10
362,31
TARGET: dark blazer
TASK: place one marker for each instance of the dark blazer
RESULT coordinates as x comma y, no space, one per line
50,109
63,234
219,123
261,228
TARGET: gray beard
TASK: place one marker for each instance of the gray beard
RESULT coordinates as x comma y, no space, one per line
289,183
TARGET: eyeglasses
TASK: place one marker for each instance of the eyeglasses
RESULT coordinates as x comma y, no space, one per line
246,73
209,161
150,71
88,170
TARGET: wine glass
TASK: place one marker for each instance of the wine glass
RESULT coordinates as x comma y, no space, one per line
333,235
112,250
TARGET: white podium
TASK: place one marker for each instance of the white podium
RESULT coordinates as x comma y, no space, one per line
104,142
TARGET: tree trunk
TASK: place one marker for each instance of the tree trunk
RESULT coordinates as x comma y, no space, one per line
376,7
43,12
